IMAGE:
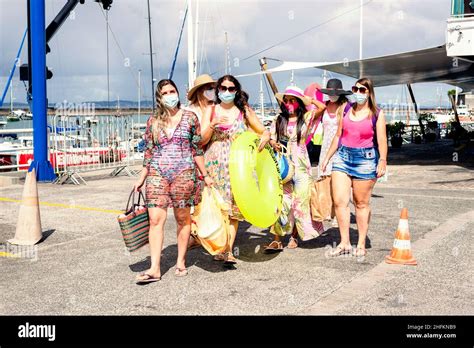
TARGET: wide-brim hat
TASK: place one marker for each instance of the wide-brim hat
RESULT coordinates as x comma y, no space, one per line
201,80
294,92
334,87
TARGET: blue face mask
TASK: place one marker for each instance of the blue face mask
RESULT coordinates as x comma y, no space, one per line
360,98
226,97
171,100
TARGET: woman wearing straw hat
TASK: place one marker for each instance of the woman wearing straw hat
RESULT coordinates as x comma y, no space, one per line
360,148
202,96
291,128
229,118
330,122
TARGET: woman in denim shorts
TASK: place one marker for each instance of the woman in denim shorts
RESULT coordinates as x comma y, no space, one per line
360,148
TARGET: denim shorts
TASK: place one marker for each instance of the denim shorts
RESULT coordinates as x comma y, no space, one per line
359,163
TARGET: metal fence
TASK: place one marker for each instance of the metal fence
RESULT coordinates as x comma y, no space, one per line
81,143
78,143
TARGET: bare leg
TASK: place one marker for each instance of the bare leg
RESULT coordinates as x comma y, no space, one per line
234,226
362,190
157,222
341,191
183,222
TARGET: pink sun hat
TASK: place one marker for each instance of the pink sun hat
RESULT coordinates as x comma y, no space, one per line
313,91
294,91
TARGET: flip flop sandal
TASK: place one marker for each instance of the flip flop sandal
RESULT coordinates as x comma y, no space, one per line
219,257
230,259
292,239
181,272
149,279
339,251
273,247
360,252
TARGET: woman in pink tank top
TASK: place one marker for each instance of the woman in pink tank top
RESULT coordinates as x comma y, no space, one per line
360,148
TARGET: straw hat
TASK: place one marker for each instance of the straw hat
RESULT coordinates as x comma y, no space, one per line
201,80
294,92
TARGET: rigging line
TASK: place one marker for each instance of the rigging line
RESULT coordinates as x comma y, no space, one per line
170,75
118,45
308,30
301,33
17,59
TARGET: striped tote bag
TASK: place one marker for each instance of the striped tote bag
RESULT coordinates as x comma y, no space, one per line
134,223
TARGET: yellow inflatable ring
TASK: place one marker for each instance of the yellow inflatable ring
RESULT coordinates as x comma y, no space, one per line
259,202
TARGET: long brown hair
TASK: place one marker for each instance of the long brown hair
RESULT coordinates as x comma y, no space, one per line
240,98
163,112
366,82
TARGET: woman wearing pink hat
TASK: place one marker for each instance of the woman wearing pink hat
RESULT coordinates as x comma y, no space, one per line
291,128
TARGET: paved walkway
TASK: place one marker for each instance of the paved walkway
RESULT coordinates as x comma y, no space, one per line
82,266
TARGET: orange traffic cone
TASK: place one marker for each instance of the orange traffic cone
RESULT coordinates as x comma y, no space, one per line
401,251
28,228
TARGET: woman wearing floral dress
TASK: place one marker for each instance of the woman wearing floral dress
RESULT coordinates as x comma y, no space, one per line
172,153
228,119
291,129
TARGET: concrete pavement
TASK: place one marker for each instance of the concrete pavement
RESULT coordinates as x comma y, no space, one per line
82,266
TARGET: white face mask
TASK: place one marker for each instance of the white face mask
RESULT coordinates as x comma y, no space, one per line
333,98
171,100
361,98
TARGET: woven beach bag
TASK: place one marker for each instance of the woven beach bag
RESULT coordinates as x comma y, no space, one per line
134,223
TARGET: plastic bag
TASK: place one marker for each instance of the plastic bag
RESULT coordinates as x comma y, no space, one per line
210,222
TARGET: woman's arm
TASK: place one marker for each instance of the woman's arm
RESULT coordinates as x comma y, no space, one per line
207,126
196,149
382,145
334,145
258,127
147,156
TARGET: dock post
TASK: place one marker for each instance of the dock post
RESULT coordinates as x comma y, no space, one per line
44,169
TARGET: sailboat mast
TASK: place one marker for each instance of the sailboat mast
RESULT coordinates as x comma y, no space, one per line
151,58
139,92
361,28
11,96
227,55
191,59
262,107
196,38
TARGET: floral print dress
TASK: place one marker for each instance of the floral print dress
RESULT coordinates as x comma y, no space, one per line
172,179
216,158
297,192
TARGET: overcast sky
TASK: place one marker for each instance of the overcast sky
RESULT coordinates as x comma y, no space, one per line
78,51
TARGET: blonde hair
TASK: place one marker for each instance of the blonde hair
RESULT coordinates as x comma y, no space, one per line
163,112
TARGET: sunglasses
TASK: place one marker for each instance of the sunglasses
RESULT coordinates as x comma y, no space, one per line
355,89
225,88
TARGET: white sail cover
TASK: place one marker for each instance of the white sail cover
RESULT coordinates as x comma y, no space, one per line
426,65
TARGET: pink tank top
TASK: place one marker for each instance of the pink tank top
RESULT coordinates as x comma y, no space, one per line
357,134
